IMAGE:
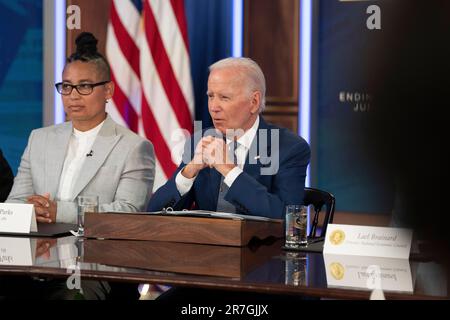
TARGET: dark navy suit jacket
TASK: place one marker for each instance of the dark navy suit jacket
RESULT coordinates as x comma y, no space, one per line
252,193
6,178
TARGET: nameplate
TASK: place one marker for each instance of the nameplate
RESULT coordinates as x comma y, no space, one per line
368,241
17,251
17,218
368,273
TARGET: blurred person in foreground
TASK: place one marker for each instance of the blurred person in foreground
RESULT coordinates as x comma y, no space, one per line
409,123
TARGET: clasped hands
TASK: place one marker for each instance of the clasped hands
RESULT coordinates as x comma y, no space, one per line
210,152
43,248
44,208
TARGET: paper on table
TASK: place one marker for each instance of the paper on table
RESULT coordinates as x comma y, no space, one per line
205,213
214,214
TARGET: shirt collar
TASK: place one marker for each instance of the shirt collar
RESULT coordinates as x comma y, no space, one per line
90,133
247,138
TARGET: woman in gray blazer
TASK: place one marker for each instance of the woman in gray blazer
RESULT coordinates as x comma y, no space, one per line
88,155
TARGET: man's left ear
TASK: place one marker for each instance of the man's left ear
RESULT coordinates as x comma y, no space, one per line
109,88
256,101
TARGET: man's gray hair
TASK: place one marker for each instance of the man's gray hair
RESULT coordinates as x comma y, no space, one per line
251,70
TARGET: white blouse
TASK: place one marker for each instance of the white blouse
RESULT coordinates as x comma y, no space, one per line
80,145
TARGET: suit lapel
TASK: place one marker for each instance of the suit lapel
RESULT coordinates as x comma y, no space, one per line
215,178
104,143
253,167
57,145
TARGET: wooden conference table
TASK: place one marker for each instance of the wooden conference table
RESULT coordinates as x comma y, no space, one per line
259,267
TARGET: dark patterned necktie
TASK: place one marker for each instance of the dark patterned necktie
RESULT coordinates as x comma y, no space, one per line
222,204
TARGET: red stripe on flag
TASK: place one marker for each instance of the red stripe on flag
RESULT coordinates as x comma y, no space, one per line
152,132
178,9
165,71
124,106
126,43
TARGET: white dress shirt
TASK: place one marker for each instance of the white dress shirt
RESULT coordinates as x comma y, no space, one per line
185,184
80,144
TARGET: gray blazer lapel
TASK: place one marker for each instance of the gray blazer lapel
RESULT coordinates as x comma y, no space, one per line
106,139
57,145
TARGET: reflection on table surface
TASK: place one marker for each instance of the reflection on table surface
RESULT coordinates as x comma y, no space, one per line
359,272
260,267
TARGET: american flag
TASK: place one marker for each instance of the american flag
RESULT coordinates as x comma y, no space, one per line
148,50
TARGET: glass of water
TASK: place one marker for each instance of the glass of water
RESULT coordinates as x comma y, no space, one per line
85,204
296,265
296,226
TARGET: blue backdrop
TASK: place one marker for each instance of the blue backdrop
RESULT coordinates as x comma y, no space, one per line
347,51
20,75
210,37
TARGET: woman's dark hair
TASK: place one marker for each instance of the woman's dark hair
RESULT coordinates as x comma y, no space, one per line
87,52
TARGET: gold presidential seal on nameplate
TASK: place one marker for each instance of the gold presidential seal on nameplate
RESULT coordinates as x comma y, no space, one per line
337,270
337,237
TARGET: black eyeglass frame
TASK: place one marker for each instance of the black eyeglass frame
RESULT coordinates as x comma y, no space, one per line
92,86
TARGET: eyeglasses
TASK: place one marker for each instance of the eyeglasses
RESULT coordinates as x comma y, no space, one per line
83,88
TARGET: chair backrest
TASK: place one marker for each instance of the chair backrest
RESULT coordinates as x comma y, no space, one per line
318,198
